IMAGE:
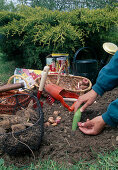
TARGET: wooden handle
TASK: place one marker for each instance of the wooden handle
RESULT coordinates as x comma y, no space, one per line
43,78
59,73
8,87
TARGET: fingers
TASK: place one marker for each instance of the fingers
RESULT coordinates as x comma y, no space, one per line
93,126
77,105
86,124
86,99
79,124
86,127
87,131
84,107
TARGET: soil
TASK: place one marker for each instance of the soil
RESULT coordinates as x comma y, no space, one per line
61,145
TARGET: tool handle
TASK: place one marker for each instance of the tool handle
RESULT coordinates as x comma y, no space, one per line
19,77
72,107
43,78
8,87
59,73
70,99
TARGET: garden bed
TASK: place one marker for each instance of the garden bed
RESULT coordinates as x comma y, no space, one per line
61,145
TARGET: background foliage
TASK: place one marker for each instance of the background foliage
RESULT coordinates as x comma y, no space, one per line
7,5
63,5
30,34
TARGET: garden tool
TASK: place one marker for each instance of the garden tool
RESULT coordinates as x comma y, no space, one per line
59,73
76,119
58,93
8,87
50,99
43,80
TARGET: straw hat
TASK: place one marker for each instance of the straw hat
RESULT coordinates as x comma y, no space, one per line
110,48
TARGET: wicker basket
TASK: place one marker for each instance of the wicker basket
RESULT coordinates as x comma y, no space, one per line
28,86
68,82
28,139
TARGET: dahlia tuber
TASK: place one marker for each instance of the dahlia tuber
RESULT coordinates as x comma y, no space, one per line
2,130
20,120
19,127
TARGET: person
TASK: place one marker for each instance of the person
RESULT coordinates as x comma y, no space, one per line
107,80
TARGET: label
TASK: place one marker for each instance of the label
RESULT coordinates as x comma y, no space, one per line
56,63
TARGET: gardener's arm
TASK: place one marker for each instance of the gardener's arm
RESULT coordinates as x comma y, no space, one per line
111,116
108,76
107,80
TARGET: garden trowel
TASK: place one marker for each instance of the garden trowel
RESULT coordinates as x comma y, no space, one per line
61,94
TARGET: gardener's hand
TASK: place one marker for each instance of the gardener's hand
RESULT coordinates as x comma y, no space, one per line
87,99
92,127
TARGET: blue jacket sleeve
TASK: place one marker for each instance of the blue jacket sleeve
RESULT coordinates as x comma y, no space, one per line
107,77
107,80
111,116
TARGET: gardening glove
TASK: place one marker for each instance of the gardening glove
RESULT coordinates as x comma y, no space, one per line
92,127
85,100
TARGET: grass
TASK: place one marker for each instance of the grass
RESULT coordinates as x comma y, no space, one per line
104,162
6,69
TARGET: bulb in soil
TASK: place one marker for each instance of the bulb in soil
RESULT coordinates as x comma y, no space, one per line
57,121
51,120
56,113
58,118
47,124
54,124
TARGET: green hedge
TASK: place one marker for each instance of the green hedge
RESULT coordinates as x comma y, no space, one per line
30,34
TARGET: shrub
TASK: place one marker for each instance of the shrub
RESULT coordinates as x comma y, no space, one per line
30,34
